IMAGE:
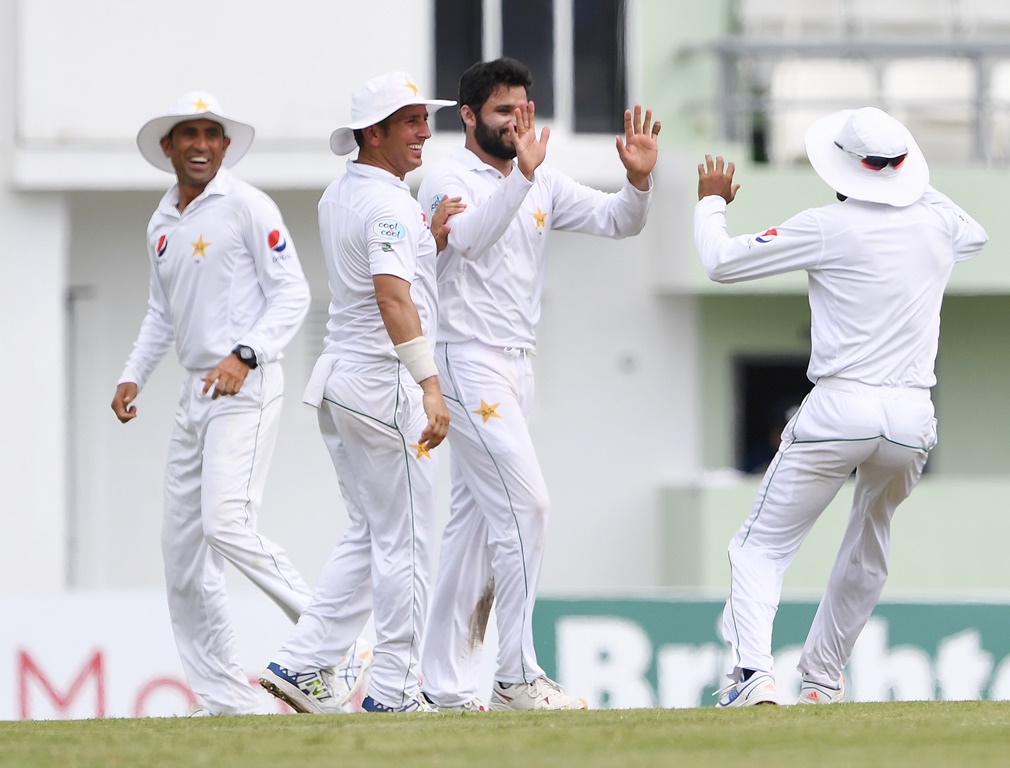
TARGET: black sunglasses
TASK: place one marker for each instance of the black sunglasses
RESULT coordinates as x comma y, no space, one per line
875,162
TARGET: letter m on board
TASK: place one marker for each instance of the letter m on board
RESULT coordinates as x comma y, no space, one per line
29,673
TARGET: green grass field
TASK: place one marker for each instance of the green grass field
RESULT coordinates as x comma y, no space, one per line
921,734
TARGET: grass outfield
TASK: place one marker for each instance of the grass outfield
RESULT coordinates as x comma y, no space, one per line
921,734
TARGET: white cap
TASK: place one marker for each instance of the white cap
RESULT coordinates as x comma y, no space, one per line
837,144
375,101
195,105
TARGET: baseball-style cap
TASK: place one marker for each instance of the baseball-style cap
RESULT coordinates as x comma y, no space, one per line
195,105
867,155
375,101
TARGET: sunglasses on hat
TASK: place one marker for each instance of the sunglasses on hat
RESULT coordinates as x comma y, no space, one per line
875,162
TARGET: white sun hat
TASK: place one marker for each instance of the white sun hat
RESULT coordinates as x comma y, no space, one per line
195,105
847,147
375,101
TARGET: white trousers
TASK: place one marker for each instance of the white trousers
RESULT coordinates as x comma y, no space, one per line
217,465
370,418
493,544
882,433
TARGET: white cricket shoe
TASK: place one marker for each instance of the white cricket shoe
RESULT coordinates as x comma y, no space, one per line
474,705
818,693
542,693
307,691
759,688
346,679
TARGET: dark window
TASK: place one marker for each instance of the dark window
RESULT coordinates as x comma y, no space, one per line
591,55
767,390
528,35
600,87
458,33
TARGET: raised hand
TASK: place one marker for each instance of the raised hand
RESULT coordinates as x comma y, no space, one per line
530,150
715,177
639,149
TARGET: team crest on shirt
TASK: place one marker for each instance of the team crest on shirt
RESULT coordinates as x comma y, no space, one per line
389,229
539,220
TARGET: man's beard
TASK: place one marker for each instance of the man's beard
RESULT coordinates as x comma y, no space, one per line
492,142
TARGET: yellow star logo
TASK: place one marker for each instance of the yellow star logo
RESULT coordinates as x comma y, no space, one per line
200,105
540,218
422,450
487,411
200,248
412,87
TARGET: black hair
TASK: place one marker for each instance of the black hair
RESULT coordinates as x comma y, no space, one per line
480,81
359,133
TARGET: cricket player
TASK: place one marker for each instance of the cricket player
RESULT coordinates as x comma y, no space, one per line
877,263
490,280
226,286
380,408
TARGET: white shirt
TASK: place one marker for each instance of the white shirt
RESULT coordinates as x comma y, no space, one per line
223,272
876,276
371,225
491,275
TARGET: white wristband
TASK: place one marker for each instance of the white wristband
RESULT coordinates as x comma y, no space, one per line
417,358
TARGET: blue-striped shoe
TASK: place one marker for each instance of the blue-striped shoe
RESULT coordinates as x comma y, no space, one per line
759,688
416,704
307,691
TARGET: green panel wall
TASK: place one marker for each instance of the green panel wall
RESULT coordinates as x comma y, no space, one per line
973,370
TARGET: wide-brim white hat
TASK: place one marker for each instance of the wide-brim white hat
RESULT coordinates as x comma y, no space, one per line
837,143
375,101
195,105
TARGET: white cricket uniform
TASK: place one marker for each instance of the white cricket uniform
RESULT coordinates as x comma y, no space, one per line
490,281
223,272
371,418
876,276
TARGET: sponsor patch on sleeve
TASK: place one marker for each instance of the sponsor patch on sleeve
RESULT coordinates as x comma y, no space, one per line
765,237
276,241
389,229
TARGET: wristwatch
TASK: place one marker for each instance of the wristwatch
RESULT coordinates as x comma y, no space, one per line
246,354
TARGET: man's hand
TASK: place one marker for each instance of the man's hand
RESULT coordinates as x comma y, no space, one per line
126,393
716,178
639,149
530,151
437,413
227,377
449,206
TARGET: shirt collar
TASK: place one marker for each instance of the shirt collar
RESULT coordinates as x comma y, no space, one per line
221,184
372,172
469,159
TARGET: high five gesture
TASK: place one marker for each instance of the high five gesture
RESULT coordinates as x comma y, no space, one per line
639,149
